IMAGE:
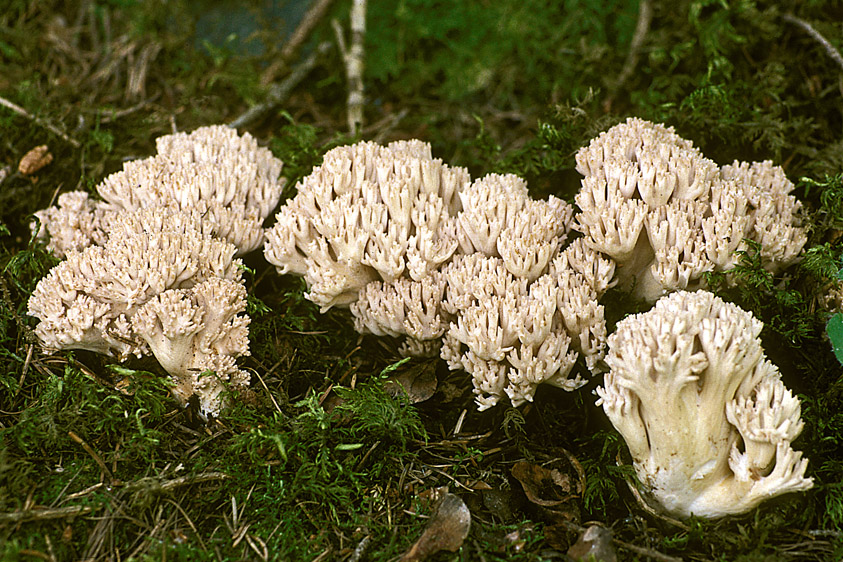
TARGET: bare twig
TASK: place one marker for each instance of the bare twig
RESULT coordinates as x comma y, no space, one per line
810,30
310,20
168,485
44,514
360,550
354,62
278,93
642,27
107,116
49,126
94,455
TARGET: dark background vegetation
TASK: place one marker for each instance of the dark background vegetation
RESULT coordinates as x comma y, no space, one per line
317,459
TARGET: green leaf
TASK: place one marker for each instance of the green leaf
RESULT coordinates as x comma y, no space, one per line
834,328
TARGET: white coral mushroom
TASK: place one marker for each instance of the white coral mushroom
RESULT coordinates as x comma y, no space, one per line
706,417
193,331
512,335
367,213
227,178
159,285
666,214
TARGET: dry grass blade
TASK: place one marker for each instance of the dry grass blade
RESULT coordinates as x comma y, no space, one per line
45,514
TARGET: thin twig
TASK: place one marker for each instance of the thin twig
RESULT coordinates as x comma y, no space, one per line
808,28
310,20
642,27
49,126
360,550
168,485
107,116
278,93
94,455
644,505
26,364
353,57
44,514
271,397
649,552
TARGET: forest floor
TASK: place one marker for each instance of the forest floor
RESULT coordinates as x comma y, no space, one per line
318,460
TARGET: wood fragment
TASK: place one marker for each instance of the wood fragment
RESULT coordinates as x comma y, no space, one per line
47,125
34,160
44,514
817,36
278,93
94,455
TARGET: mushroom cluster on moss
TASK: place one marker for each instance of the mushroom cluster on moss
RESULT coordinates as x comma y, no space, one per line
392,233
474,271
706,417
228,178
151,268
666,214
158,285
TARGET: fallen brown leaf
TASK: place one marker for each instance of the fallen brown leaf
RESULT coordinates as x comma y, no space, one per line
417,380
594,545
542,486
35,159
446,530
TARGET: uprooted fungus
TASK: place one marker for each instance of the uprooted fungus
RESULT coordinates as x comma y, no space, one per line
706,417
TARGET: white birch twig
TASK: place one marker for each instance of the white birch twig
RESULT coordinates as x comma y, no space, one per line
354,57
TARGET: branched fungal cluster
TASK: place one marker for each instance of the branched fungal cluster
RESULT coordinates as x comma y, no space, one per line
475,271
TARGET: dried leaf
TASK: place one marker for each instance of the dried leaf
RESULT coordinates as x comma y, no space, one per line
446,530
498,502
595,545
35,159
432,496
416,380
543,487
